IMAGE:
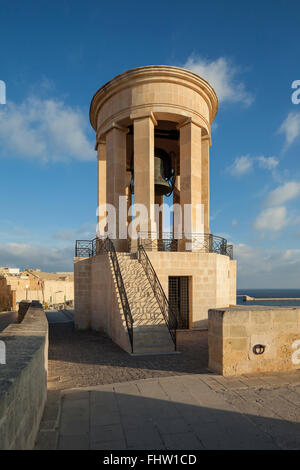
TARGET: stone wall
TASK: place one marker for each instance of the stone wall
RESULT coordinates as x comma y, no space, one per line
212,285
23,380
97,304
213,280
235,334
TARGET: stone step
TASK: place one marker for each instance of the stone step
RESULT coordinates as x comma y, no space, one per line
139,290
127,256
136,282
153,349
148,320
142,306
139,286
154,330
143,310
140,300
139,282
152,341
129,262
134,277
150,333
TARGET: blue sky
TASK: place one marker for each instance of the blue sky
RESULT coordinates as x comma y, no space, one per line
55,55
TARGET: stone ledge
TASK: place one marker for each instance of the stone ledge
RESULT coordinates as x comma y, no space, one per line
23,382
235,332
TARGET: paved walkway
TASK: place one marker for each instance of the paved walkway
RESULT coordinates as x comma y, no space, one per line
199,411
99,397
59,316
87,358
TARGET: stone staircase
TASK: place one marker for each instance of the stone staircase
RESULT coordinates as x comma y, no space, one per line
150,332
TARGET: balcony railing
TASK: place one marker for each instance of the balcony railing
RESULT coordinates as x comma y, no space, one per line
196,242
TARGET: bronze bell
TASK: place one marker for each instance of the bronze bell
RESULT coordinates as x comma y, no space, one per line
162,172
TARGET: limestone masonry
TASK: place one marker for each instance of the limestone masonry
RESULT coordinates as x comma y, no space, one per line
153,134
254,339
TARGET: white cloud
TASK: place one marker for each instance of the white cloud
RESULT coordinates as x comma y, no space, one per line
290,128
271,219
267,267
241,165
245,163
223,76
44,129
268,163
283,193
21,255
86,231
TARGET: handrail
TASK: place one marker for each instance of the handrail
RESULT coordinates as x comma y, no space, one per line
166,309
110,248
96,246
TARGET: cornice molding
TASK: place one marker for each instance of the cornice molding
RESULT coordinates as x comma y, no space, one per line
151,74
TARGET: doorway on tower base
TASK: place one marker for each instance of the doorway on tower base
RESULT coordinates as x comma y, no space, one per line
179,299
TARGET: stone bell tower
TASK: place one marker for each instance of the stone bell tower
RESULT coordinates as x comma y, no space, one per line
153,135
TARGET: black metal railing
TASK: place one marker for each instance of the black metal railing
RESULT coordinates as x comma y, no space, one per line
207,243
109,247
84,248
87,248
166,310
229,251
196,242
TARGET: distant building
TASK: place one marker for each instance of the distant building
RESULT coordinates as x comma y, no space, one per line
8,270
32,284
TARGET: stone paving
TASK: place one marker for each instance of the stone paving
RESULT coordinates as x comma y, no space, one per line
87,358
199,411
99,397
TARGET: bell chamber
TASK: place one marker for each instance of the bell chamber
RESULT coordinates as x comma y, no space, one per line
164,172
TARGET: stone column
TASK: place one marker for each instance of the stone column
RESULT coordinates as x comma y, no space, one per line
101,196
129,203
205,180
177,227
191,175
159,200
116,179
143,150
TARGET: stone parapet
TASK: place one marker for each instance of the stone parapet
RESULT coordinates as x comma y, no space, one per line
254,339
23,380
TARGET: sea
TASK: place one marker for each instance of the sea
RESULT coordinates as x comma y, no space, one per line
269,294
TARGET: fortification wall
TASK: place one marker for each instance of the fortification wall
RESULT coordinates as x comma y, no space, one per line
23,380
